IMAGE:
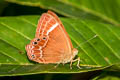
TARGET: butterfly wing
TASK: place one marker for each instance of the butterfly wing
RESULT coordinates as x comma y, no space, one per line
51,43
59,47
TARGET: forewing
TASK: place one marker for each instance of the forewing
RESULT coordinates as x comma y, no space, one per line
59,47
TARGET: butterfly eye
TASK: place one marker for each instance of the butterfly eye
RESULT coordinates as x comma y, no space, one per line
44,38
38,39
33,56
34,42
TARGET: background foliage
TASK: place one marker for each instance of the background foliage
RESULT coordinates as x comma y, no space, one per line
83,19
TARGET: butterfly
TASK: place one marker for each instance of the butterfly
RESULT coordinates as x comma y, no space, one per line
51,43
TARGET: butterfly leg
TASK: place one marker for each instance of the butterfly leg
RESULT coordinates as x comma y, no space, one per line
56,65
78,63
71,64
63,64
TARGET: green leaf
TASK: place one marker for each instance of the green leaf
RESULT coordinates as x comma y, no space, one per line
108,10
60,7
101,10
114,68
108,75
98,53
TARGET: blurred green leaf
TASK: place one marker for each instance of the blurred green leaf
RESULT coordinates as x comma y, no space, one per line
98,53
109,75
102,10
108,10
60,7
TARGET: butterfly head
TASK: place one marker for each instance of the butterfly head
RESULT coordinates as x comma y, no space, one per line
74,51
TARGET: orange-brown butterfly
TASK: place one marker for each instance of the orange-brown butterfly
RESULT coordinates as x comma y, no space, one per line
51,43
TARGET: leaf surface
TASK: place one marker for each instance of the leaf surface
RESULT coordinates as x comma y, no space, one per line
100,10
99,52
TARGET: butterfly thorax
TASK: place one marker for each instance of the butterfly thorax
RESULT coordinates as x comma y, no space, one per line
67,58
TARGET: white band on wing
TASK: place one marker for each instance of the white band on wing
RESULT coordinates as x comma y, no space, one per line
52,28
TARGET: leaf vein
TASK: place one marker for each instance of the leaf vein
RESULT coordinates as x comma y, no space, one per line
15,31
93,47
10,56
104,42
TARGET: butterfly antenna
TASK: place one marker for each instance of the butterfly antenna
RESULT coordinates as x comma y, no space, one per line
87,40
